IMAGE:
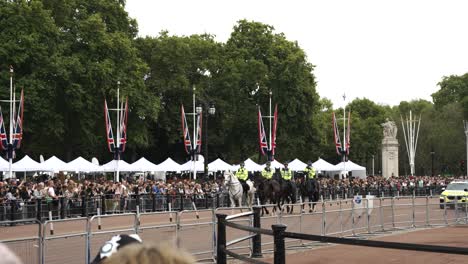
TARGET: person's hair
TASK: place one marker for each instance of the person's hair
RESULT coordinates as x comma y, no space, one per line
8,256
150,254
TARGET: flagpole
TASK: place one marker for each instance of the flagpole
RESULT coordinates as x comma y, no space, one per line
270,149
344,133
10,146
194,135
117,149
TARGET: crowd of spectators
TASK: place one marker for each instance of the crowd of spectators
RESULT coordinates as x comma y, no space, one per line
15,189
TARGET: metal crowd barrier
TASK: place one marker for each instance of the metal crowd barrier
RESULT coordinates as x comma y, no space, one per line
81,237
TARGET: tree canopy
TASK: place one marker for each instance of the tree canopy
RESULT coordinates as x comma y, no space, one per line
69,55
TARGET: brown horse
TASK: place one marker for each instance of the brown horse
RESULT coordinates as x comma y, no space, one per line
268,191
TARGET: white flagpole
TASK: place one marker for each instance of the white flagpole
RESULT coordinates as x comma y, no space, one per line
343,144
194,135
10,158
270,125
117,178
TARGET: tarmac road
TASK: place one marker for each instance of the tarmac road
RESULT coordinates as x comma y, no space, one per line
68,242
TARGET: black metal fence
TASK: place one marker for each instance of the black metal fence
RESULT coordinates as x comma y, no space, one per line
278,231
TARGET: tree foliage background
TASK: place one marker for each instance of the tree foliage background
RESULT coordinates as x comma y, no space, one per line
69,54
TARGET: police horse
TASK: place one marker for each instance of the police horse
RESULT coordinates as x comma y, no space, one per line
288,194
309,188
269,191
236,191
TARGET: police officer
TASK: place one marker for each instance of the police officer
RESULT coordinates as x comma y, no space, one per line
309,171
267,173
242,175
286,175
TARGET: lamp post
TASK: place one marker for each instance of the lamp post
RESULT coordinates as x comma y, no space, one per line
209,110
432,162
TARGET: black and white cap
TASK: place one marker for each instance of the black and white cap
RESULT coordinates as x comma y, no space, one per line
114,244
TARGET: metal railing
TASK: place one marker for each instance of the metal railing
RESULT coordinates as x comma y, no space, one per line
331,218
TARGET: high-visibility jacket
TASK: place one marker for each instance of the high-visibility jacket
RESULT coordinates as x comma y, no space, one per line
267,174
286,174
310,172
242,174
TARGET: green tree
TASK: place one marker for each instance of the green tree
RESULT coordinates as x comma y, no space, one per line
257,61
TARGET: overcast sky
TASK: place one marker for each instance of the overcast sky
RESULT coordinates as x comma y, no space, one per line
387,51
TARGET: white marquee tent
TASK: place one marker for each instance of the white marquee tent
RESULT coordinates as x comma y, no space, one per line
55,164
199,165
297,165
4,165
322,165
250,165
357,170
220,165
274,164
81,165
144,165
169,165
27,164
111,166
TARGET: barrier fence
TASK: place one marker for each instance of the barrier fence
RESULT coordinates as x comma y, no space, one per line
12,210
81,237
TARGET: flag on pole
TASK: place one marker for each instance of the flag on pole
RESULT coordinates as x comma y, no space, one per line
261,134
348,134
18,124
336,135
109,134
3,135
186,134
199,133
123,126
273,138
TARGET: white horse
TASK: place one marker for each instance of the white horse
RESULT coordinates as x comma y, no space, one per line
236,191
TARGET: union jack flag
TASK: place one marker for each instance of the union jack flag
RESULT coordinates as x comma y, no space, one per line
261,134
199,133
123,127
337,136
109,134
186,134
348,133
3,135
275,123
18,124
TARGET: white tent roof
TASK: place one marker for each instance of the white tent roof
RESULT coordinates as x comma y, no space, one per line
111,166
144,165
80,164
4,165
274,164
55,164
250,165
27,164
199,165
297,165
348,166
219,165
169,165
322,165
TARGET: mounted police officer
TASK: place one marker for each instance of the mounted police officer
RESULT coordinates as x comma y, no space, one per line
286,175
267,173
309,171
242,175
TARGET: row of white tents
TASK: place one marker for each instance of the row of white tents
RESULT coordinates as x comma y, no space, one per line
80,164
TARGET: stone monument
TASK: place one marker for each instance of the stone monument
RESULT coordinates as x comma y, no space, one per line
389,150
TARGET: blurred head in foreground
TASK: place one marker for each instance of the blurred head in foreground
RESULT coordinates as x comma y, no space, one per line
150,254
7,256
